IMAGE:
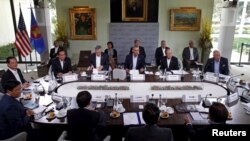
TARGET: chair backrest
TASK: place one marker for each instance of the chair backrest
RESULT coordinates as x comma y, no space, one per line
84,59
18,137
180,64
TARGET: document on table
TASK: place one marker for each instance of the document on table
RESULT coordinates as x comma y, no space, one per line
196,116
141,119
130,119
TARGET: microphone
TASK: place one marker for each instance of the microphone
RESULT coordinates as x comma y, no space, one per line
206,103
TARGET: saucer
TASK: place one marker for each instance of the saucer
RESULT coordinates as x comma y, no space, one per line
170,110
164,115
61,115
115,114
50,116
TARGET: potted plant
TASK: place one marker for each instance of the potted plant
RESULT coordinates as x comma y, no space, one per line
205,41
61,33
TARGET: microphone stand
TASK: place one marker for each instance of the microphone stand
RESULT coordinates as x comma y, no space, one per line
206,103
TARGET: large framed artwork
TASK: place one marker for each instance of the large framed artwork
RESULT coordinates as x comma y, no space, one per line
134,10
82,23
185,19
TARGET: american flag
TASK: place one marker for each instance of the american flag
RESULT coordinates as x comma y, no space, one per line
22,38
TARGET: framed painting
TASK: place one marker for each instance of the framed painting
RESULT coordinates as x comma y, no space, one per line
185,19
82,23
134,10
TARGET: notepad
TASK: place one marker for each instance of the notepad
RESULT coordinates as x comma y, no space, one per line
130,119
196,116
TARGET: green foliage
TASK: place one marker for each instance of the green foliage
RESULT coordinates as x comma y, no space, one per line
61,33
237,44
6,51
205,35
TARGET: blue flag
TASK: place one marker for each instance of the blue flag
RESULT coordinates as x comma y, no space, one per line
36,38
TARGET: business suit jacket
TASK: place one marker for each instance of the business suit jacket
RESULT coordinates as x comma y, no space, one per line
84,124
129,62
13,119
141,51
174,64
186,54
8,75
149,133
224,68
57,68
158,55
104,60
114,53
53,54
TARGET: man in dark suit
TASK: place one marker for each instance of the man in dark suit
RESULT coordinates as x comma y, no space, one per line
13,117
141,49
85,122
160,52
217,64
99,60
61,64
13,73
135,61
169,62
54,52
190,56
217,115
149,132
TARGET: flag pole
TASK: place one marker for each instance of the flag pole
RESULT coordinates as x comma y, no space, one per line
26,64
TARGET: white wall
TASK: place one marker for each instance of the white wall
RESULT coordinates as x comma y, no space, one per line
175,39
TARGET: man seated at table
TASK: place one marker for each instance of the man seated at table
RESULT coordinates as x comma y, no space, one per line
169,62
137,43
135,61
149,132
13,73
61,64
13,117
85,122
217,64
217,117
99,60
190,56
54,51
160,52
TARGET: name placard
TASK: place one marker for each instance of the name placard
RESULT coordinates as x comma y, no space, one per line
71,77
211,78
98,98
191,98
173,77
138,99
97,77
232,98
139,77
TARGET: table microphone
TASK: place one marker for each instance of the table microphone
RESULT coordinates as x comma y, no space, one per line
236,76
206,103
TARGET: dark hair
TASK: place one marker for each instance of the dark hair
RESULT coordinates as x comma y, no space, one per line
110,42
8,59
136,40
61,50
151,113
83,98
10,85
218,112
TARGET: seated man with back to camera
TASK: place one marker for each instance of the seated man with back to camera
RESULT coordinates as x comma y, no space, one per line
99,60
135,61
217,64
190,55
13,73
169,62
149,132
61,64
85,123
217,117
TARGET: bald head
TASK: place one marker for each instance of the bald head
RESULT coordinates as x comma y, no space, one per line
216,55
191,43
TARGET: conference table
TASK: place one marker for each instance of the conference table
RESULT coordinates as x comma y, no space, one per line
171,93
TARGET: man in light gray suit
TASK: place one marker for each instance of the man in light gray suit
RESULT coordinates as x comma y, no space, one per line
190,56
149,132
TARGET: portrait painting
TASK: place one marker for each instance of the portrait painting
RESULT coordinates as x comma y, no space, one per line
185,19
134,10
83,23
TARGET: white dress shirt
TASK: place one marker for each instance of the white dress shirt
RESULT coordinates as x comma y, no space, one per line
163,51
134,62
98,61
16,75
168,62
56,49
61,62
191,53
